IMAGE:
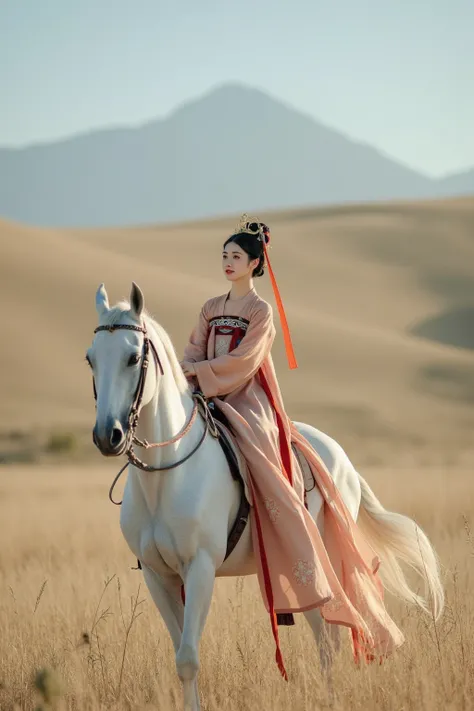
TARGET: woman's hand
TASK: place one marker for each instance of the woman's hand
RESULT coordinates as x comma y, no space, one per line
188,369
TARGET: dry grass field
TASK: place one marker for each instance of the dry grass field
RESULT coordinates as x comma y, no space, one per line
61,543
380,301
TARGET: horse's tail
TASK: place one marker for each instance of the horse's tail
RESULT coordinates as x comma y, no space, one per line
395,538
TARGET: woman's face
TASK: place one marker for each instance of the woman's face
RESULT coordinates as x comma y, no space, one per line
236,263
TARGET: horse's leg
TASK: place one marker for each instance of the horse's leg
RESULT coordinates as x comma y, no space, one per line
327,639
199,576
166,594
326,635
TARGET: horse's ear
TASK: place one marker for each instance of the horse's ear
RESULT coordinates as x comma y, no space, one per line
101,300
137,300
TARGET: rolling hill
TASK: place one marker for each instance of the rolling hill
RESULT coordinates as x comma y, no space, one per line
459,184
363,285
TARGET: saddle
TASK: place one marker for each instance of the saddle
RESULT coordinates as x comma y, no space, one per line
230,450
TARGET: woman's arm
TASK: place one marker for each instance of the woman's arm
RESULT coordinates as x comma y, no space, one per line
196,350
224,374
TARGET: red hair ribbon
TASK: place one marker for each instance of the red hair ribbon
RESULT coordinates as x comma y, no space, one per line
290,353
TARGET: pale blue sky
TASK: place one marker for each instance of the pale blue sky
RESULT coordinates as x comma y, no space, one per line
398,74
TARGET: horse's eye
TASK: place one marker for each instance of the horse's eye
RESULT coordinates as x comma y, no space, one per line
134,359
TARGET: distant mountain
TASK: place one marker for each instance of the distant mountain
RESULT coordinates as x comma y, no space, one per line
457,184
234,149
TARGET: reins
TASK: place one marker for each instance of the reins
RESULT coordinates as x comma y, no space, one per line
200,406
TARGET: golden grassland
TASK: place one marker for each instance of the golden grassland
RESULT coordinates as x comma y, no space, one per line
69,595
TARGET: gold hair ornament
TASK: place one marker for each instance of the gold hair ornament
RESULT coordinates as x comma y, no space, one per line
250,227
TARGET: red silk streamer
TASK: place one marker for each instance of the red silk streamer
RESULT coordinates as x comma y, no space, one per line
290,353
285,453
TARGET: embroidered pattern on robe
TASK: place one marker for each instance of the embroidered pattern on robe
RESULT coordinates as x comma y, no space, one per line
229,331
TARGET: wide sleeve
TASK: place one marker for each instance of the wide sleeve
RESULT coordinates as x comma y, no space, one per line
225,373
196,350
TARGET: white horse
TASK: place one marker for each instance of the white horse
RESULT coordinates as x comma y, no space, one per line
176,521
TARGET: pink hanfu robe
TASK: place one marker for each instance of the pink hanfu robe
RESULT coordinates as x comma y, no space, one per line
230,347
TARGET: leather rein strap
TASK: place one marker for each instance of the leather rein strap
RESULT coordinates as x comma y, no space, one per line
200,405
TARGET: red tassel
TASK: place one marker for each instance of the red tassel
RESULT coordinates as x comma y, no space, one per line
285,452
269,592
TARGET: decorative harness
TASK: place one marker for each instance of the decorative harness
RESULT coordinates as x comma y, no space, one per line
200,405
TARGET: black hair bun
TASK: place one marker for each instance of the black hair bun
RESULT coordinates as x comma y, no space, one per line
266,232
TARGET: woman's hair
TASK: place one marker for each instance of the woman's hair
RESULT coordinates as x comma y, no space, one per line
252,245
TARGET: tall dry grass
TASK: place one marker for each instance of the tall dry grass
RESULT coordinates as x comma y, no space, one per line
71,605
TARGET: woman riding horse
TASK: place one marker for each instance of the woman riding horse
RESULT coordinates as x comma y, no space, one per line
229,357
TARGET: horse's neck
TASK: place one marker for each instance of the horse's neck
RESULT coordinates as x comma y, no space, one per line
161,420
165,416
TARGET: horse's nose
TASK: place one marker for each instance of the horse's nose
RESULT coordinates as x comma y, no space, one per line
109,440
117,436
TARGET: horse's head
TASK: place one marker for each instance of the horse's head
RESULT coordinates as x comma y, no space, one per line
119,356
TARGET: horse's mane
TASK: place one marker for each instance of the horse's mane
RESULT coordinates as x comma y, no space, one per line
123,309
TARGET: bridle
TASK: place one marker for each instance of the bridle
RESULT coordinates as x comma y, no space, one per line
200,406
137,400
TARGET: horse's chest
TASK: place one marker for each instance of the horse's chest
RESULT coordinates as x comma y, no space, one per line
158,543
156,550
